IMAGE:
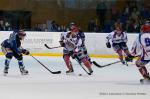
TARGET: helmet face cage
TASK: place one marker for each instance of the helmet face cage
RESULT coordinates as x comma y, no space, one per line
21,34
74,29
71,25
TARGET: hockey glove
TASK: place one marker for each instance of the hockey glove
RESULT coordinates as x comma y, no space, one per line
26,52
108,45
74,55
62,44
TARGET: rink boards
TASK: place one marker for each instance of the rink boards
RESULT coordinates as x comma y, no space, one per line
95,43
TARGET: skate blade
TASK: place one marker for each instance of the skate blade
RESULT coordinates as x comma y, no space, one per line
72,73
24,73
144,81
5,74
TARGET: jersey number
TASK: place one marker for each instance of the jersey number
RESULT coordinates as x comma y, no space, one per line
147,41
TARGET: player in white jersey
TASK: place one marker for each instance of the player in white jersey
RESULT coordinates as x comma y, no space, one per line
119,40
82,36
141,49
72,47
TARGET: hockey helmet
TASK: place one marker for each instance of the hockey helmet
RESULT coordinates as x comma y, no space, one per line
118,27
118,30
21,33
71,25
145,28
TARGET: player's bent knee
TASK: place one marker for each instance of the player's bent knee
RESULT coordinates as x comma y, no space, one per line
9,55
19,57
66,58
139,64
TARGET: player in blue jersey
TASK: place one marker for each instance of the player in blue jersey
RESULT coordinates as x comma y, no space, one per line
11,47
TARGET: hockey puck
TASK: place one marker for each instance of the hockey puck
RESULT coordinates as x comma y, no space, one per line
80,74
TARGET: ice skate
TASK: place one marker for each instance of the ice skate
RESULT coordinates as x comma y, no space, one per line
145,80
123,62
90,71
6,71
23,71
71,71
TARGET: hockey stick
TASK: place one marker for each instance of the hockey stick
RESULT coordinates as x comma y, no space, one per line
101,66
82,67
56,72
51,47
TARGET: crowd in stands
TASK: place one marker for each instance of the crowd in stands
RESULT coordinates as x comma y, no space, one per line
50,26
131,18
5,26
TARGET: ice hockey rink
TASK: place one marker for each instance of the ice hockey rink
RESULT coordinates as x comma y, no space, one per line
113,82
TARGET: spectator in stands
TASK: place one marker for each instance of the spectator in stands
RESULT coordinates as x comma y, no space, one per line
135,14
137,25
114,13
101,10
91,25
7,26
107,26
130,26
126,10
54,27
2,25
145,13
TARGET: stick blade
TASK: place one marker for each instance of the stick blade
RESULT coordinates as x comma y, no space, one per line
96,64
57,72
47,46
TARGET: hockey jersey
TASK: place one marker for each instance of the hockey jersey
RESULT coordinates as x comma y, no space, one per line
141,46
71,43
115,38
13,43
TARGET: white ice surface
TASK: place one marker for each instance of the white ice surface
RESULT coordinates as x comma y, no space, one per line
112,82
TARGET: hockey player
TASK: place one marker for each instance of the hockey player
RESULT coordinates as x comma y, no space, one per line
141,49
119,40
12,47
82,36
72,44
